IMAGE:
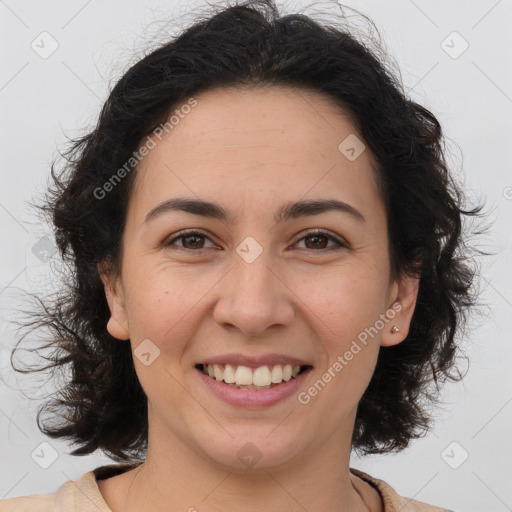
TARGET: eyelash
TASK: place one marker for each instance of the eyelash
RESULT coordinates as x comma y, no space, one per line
186,234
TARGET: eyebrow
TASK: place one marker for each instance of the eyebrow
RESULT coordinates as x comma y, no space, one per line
288,211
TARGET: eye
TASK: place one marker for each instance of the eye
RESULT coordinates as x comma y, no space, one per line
192,240
193,236
316,236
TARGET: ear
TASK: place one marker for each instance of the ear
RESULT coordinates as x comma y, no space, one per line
117,323
402,302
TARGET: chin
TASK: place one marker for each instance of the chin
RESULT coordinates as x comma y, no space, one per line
253,450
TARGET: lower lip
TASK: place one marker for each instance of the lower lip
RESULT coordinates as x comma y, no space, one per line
253,397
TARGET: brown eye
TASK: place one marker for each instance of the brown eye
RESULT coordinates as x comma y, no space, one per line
194,240
315,241
319,240
191,241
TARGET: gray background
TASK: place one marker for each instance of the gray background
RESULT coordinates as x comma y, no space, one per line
469,91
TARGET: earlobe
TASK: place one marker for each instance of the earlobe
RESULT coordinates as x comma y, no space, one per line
117,330
114,295
400,312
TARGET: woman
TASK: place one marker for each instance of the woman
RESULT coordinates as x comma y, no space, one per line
269,272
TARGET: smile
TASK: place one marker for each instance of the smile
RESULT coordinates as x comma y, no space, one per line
252,395
260,378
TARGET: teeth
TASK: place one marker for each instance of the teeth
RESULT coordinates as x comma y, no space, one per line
259,378
243,376
287,372
229,374
277,374
218,373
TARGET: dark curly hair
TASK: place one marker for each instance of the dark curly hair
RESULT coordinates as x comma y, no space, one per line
102,405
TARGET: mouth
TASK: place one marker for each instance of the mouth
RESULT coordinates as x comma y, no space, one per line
245,377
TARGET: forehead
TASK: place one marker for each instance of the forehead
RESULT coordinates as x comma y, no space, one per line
253,147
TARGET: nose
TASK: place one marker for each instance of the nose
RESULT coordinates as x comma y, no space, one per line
253,298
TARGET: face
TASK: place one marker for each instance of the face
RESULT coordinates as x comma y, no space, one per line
304,286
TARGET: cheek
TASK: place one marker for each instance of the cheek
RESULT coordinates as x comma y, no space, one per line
162,311
150,304
347,301
347,309
165,305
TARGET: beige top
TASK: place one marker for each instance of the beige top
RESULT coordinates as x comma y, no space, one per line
83,495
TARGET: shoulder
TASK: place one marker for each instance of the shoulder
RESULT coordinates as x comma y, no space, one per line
39,502
80,495
393,502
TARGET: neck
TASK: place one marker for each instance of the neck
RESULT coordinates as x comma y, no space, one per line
176,476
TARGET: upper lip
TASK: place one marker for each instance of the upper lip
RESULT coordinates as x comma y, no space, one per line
255,361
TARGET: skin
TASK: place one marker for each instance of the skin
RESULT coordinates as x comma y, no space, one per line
253,150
